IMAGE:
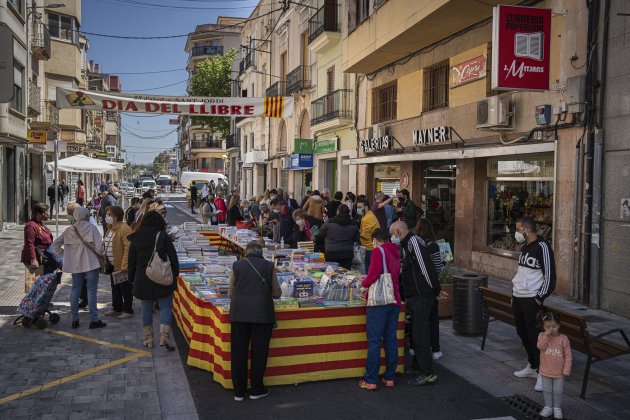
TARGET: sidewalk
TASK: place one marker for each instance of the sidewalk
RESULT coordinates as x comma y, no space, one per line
608,392
61,373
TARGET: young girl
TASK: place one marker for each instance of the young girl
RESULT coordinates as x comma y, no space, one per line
555,363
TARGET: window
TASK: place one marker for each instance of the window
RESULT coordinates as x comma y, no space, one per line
17,103
363,10
63,27
435,87
18,5
519,186
384,103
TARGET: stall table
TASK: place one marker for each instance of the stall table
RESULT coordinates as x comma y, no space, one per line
309,344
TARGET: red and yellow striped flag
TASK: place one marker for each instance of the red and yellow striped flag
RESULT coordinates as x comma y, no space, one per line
274,106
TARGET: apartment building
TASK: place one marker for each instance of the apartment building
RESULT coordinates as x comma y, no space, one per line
474,159
203,150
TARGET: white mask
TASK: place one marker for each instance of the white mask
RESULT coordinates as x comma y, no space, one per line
276,211
520,238
395,240
361,211
109,220
299,222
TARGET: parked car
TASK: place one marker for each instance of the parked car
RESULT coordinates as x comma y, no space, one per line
148,184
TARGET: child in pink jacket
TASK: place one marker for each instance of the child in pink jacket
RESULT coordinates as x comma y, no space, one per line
555,363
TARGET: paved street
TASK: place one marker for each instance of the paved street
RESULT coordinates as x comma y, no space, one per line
60,373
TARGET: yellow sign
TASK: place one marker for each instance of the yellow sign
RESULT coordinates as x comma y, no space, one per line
37,136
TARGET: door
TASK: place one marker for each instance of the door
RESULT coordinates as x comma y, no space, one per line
439,194
283,73
304,57
330,88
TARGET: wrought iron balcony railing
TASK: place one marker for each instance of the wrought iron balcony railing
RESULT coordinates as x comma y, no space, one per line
299,79
326,19
335,105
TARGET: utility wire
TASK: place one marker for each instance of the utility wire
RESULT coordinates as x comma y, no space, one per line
156,88
144,5
140,129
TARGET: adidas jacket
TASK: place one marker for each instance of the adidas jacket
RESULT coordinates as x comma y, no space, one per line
536,275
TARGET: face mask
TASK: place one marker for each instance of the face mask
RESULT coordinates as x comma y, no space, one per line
299,222
360,211
109,220
272,197
70,218
276,211
520,238
395,240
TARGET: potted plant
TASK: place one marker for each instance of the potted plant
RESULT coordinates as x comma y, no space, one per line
445,306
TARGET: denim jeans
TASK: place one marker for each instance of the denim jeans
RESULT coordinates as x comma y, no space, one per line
381,322
166,316
368,258
92,284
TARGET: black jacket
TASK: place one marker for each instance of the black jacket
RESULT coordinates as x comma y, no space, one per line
339,235
234,214
332,207
418,276
140,251
251,299
287,225
51,193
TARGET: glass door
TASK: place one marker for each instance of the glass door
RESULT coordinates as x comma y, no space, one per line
439,196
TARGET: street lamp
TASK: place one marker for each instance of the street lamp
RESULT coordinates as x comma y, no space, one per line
31,11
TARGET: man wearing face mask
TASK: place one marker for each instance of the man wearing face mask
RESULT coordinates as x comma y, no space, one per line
533,282
368,224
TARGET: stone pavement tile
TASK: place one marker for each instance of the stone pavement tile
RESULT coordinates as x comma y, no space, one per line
52,417
82,399
180,416
107,405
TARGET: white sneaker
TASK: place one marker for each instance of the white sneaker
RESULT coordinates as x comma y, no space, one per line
239,399
539,386
546,412
125,315
437,355
526,372
412,352
557,413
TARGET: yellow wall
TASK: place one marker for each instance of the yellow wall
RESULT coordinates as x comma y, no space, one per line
70,119
65,60
474,91
409,99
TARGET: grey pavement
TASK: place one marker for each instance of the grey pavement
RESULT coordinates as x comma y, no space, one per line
85,373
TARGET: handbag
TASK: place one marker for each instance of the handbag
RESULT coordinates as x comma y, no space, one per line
105,266
108,268
119,277
381,292
158,270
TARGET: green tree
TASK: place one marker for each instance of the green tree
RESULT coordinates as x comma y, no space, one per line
213,77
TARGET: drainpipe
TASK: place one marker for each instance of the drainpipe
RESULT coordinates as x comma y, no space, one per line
598,163
577,220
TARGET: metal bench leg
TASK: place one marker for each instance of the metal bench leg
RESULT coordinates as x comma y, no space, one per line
589,361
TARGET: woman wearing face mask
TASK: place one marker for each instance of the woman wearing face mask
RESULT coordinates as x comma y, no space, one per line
339,235
116,247
304,224
37,256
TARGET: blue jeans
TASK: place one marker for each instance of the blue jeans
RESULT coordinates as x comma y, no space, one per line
92,285
368,258
166,316
381,322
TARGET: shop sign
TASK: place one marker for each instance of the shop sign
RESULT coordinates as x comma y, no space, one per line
386,171
521,48
101,154
37,136
431,135
325,146
375,145
74,149
469,71
303,145
301,161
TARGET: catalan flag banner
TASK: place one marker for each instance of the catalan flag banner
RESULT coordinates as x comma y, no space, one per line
272,106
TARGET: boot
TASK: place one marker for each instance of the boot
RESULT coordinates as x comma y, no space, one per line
148,336
165,340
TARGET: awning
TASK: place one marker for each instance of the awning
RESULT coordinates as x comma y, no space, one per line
81,163
467,153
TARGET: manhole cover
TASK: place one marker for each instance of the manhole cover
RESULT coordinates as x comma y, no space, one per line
524,405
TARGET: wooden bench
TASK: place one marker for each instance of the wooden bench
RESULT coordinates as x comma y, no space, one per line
498,306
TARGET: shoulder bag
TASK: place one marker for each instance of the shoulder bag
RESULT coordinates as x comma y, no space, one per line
106,266
159,271
381,292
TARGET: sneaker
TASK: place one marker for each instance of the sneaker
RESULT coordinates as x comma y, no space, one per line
423,380
259,396
239,399
389,383
546,412
366,385
75,325
125,315
112,313
97,324
83,304
557,413
539,385
526,372
437,355
412,352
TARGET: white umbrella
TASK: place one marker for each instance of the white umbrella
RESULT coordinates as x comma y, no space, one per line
80,163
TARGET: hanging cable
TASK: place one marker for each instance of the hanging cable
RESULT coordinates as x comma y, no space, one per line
156,88
144,5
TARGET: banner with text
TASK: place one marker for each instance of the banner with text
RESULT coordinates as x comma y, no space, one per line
269,106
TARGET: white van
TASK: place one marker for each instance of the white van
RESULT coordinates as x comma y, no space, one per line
186,179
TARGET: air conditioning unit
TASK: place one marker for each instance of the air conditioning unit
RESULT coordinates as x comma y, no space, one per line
493,112
378,131
286,162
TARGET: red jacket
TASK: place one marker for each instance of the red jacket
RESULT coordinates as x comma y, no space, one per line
37,237
392,259
220,203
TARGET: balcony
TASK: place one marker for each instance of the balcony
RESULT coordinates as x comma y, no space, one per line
206,144
323,28
277,89
34,99
247,62
232,142
299,79
93,145
40,44
391,30
206,50
48,119
335,108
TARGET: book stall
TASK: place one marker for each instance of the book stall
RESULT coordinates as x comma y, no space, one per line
320,331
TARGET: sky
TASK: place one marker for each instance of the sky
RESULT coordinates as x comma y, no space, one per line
119,56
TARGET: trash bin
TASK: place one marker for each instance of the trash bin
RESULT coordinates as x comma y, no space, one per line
468,303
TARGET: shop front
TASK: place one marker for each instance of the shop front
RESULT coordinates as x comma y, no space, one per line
326,152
